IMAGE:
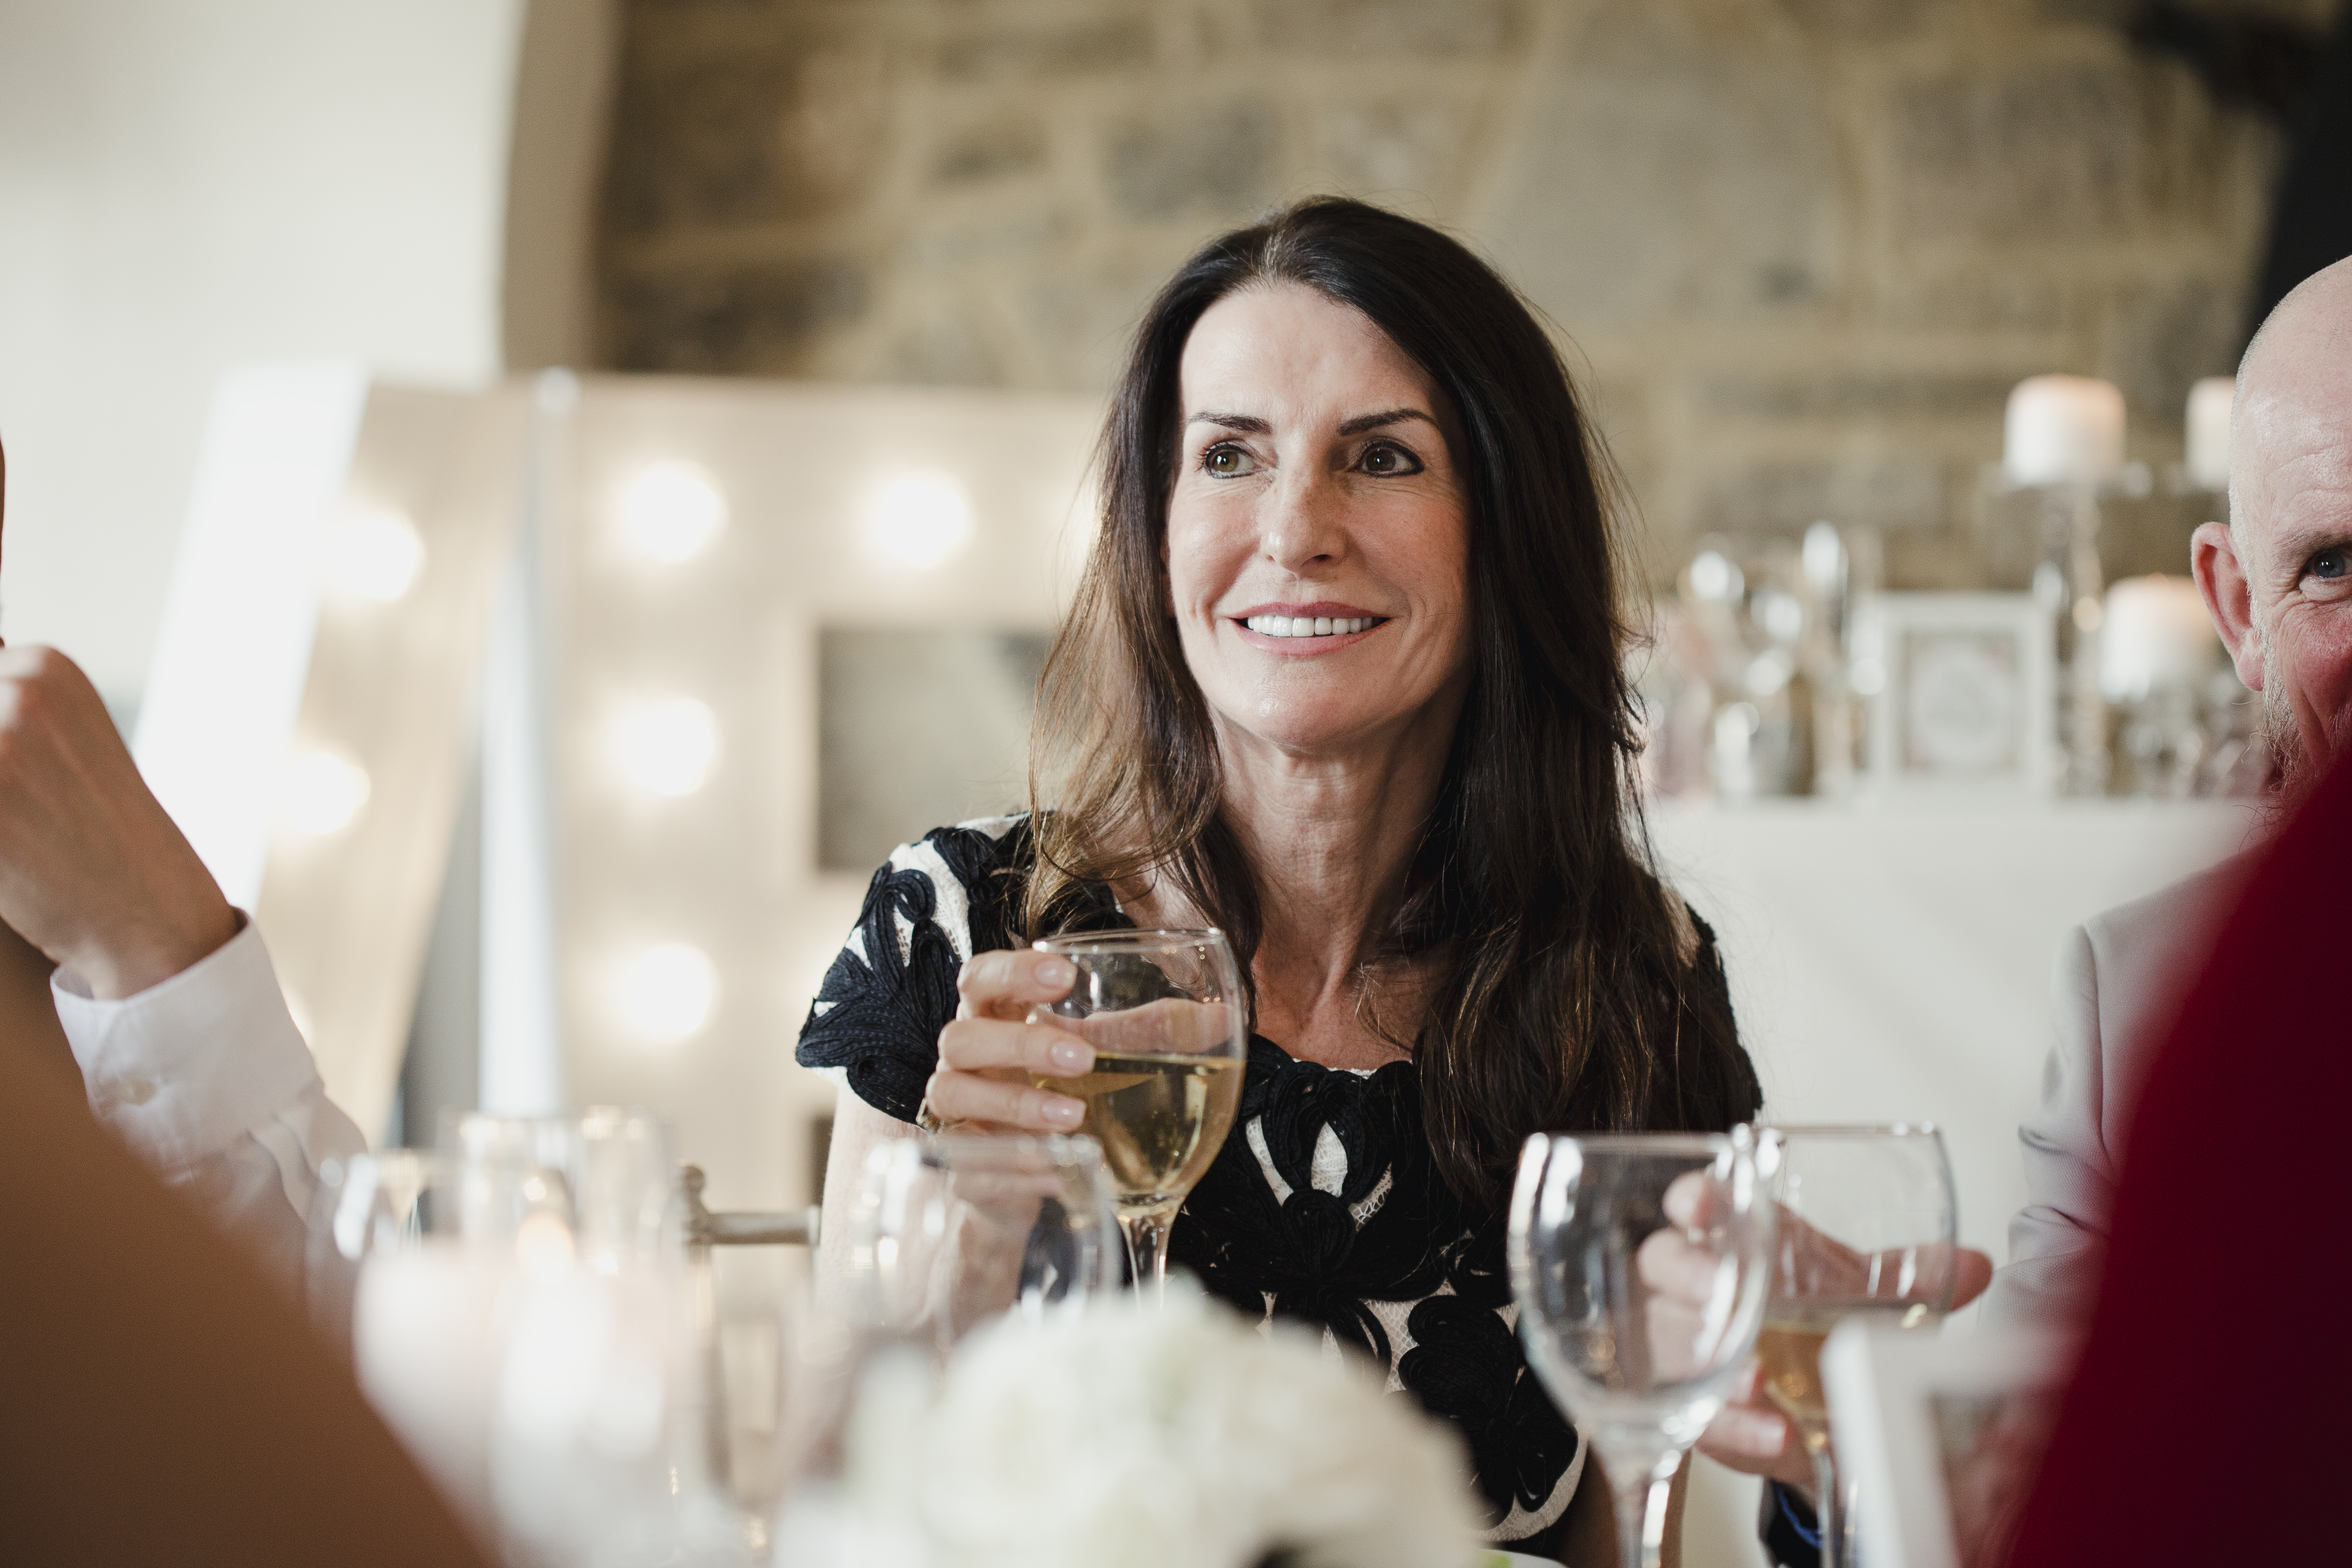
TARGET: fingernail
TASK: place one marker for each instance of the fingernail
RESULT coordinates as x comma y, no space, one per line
1056,972
1064,1112
1071,1056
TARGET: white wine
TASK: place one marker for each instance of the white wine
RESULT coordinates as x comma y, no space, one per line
1160,1119
1788,1349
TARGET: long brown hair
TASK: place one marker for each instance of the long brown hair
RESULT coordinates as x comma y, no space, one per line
1567,997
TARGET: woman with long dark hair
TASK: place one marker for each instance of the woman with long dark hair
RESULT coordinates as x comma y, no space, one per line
1344,679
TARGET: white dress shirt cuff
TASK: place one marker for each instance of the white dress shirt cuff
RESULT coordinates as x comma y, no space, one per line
184,1068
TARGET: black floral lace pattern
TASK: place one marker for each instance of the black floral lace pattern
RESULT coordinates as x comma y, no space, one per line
1324,1207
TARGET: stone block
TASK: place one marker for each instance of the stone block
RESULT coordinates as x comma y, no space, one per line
756,319
1076,320
1874,20
2039,154
1354,29
945,348
747,134
2155,339
1393,146
1672,164
1081,46
1858,397
992,150
1217,160
1896,492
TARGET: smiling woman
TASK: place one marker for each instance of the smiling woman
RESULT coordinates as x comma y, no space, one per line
1343,679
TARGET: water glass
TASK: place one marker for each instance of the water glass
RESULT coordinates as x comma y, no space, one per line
1640,1263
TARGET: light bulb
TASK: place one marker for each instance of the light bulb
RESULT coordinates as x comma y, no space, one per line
665,746
665,994
323,791
670,512
376,554
919,521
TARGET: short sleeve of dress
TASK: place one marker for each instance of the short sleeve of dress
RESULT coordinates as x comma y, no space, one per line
876,1022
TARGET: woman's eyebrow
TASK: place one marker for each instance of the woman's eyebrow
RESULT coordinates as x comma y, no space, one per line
1363,422
1248,422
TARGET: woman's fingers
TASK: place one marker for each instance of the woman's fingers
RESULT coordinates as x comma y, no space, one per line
994,1045
1009,983
960,1097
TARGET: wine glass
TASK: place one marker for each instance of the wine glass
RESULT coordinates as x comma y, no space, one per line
948,1232
1640,1263
1164,1012
1868,1225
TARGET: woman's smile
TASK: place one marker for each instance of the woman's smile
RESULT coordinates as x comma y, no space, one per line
1303,631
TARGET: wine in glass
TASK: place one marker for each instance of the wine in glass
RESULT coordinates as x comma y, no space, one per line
1162,1010
1867,1225
1640,1263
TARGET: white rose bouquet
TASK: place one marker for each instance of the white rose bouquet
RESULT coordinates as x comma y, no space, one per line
1138,1437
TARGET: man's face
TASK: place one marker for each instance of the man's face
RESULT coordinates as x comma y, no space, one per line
2298,530
2279,580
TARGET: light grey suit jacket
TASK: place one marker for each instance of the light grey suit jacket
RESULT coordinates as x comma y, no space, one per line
2120,978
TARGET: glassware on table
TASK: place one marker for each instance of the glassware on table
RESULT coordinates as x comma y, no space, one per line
1868,1225
948,1232
1164,1013
1596,1224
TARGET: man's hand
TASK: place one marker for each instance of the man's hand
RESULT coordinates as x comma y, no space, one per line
93,871
1749,1435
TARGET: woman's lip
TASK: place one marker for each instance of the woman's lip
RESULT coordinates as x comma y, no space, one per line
1322,609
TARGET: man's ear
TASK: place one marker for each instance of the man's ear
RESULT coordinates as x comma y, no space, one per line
2229,597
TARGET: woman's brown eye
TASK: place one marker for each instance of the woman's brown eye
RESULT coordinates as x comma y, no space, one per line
1225,461
1386,459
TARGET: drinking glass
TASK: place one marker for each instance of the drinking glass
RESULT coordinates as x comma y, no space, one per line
947,1233
1164,1012
1640,1263
1868,1225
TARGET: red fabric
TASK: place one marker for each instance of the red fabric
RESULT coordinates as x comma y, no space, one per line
2210,1419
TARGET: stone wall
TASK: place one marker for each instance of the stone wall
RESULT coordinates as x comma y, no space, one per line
1804,247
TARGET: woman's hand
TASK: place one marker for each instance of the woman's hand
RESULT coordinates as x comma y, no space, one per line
989,1051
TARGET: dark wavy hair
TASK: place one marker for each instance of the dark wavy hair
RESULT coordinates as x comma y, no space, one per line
1568,997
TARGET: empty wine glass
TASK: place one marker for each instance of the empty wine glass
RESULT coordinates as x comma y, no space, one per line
1164,1012
1640,1263
1868,1225
948,1232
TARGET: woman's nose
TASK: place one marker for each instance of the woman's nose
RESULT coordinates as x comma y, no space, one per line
1301,523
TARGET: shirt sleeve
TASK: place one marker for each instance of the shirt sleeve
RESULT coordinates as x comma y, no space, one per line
875,1026
208,1079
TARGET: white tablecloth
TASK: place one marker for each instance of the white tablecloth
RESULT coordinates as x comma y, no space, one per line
1892,961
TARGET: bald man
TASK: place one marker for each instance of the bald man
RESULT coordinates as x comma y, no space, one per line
2278,580
166,995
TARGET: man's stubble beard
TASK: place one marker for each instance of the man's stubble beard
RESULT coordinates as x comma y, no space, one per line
2293,772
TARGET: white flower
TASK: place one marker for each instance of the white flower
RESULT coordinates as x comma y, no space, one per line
1142,1436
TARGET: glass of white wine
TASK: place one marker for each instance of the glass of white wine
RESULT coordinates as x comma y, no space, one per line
1163,1011
1868,1225
1640,1263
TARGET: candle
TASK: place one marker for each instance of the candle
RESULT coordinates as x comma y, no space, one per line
2062,429
2208,432
2155,634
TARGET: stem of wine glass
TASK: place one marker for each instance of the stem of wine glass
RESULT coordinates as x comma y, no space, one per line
1146,1252
1830,1507
1643,1496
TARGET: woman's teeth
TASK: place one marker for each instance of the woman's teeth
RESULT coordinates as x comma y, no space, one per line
1309,626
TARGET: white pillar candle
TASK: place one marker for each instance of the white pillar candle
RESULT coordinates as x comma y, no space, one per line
2208,432
2062,429
2155,633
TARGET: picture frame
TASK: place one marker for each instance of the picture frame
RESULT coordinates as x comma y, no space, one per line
1960,694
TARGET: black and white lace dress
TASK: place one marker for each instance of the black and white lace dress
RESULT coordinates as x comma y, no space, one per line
1324,1205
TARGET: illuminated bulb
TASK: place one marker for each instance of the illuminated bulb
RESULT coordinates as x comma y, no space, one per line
323,792
376,554
663,747
919,521
665,994
670,512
